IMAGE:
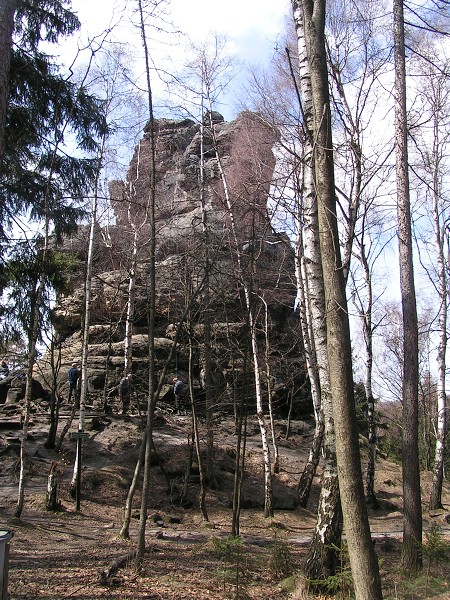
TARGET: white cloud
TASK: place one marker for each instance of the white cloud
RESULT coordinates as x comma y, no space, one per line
234,18
251,29
251,26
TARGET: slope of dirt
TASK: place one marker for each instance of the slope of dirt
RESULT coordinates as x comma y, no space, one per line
56,555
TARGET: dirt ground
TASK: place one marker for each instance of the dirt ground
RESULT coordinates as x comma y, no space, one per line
64,554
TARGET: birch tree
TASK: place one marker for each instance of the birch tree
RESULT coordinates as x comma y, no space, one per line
363,560
322,557
208,68
249,304
431,142
367,251
209,73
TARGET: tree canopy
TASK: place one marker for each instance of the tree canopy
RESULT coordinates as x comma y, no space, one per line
52,124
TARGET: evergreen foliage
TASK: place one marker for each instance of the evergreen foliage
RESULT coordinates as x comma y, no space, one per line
41,175
49,163
20,275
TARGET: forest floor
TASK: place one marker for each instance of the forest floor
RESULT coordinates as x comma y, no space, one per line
67,553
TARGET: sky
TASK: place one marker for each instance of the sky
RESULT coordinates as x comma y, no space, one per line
252,28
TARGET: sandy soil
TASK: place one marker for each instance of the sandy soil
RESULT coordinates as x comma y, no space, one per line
62,554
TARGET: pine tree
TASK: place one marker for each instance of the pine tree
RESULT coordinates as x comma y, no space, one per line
46,109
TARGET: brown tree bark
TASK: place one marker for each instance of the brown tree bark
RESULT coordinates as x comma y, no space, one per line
140,548
363,561
7,10
412,513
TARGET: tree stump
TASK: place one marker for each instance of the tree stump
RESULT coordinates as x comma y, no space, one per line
52,488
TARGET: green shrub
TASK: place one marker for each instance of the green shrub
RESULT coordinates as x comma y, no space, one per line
236,568
281,563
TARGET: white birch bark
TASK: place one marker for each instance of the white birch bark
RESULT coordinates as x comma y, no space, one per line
210,462
440,239
87,316
32,341
328,528
363,560
276,453
268,491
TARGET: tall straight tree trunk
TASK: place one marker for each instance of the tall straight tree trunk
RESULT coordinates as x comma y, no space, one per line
140,550
130,307
195,428
87,316
310,468
366,317
268,490
7,10
135,227
276,452
55,365
440,237
32,340
412,508
125,529
33,336
322,559
210,462
241,437
363,561
310,285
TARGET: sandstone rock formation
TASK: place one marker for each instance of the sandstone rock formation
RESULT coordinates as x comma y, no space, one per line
193,228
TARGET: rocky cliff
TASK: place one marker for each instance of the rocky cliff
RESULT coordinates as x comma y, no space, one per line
198,240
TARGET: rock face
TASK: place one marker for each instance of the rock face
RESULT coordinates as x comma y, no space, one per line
204,254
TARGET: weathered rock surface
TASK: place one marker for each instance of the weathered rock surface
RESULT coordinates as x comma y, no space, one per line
194,235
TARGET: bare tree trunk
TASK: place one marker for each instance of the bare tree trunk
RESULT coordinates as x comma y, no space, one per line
124,532
201,470
412,514
363,561
66,427
50,442
140,549
26,420
7,10
309,274
87,316
210,463
241,431
322,558
32,341
366,317
268,492
306,321
441,239
125,529
131,296
276,453
106,401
